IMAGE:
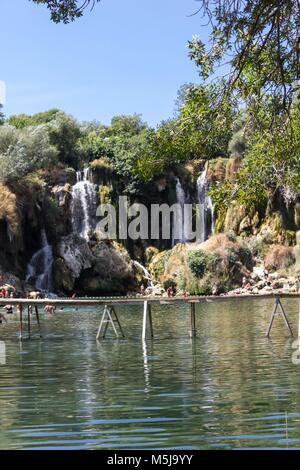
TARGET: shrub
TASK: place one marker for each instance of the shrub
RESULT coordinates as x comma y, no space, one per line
169,283
103,164
197,262
279,257
23,151
9,211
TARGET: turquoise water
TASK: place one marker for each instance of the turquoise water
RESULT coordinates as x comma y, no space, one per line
229,388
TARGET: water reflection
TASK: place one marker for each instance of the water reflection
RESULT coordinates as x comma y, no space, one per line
228,388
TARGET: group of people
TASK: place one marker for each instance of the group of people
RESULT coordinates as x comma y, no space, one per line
246,283
171,292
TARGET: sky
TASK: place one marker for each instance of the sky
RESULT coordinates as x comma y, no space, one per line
124,57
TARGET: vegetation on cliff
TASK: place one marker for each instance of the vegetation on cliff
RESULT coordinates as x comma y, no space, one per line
243,126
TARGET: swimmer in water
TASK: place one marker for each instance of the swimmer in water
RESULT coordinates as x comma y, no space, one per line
2,318
49,309
9,309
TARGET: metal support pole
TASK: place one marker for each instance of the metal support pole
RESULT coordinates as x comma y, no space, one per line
272,318
193,331
109,317
21,321
105,328
117,320
112,322
38,319
283,314
28,320
145,320
150,321
101,322
285,317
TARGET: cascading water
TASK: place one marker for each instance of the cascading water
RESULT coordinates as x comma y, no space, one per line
146,273
39,269
84,204
206,210
182,198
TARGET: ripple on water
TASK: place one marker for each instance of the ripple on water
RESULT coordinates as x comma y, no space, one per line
229,388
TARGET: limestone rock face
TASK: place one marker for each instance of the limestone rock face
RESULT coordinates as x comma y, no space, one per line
215,266
62,195
75,253
240,219
94,268
297,214
112,271
60,176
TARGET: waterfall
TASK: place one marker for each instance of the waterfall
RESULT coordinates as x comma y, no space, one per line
84,204
39,269
146,273
206,210
182,198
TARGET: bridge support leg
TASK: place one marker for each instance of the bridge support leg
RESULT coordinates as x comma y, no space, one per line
117,321
147,315
38,319
193,331
283,314
109,317
150,321
28,320
21,322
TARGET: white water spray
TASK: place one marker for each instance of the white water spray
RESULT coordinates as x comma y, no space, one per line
84,204
206,210
182,198
146,273
39,269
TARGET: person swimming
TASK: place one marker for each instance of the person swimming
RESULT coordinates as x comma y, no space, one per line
9,309
49,309
2,318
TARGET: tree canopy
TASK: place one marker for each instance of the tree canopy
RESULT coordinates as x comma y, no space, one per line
260,43
24,150
1,115
66,11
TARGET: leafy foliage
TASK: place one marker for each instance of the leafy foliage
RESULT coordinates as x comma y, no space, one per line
22,151
197,262
1,115
66,10
64,133
260,39
24,120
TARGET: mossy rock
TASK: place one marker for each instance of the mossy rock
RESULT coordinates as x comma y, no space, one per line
62,277
158,264
274,231
150,252
216,171
297,214
105,194
232,167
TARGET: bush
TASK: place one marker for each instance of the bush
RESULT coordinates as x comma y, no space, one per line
103,164
169,283
9,210
279,257
197,262
23,151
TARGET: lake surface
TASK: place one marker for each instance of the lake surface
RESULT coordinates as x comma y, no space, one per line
229,388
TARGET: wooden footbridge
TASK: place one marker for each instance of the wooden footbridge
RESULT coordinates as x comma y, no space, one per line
108,305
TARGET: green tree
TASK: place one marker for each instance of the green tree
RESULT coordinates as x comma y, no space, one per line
260,40
23,120
24,150
1,115
64,132
66,10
